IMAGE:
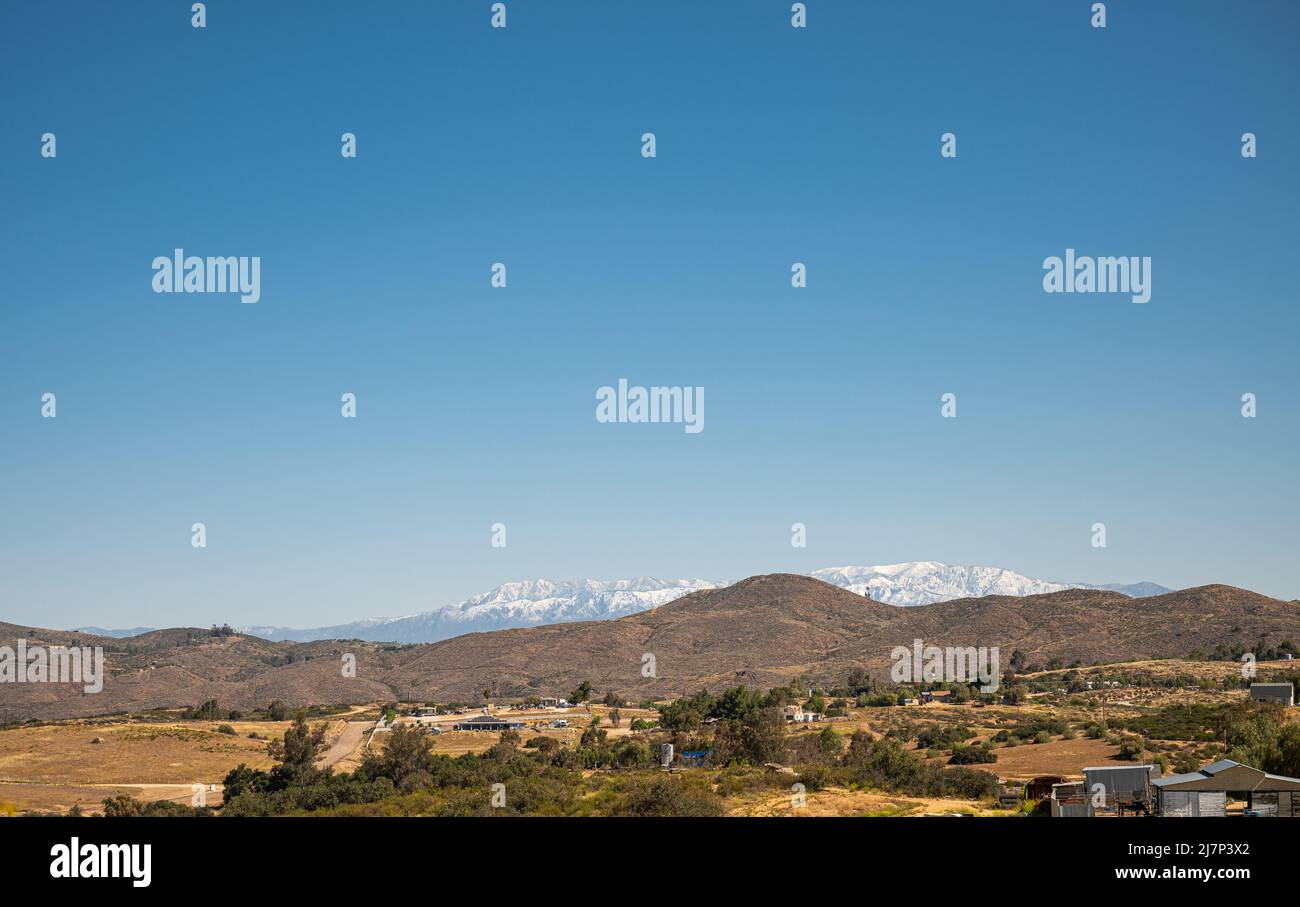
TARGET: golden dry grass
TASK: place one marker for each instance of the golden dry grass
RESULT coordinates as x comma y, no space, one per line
839,801
131,752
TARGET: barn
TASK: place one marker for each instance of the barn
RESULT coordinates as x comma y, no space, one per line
1205,792
1124,786
488,723
1281,693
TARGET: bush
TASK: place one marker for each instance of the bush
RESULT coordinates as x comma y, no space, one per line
124,806
226,729
1130,749
815,777
209,711
942,737
878,700
674,796
976,754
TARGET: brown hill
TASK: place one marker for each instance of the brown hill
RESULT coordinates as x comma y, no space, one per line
760,631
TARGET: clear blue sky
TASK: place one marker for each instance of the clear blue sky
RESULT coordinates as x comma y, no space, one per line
476,405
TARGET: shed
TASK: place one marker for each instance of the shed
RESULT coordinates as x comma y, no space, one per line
1122,786
1070,800
1281,693
1040,787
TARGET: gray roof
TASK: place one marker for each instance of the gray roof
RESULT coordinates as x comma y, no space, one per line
1205,771
1214,768
1179,779
1222,765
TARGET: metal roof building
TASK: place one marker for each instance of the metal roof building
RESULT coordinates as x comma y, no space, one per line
1123,786
1282,693
1205,792
1071,800
488,723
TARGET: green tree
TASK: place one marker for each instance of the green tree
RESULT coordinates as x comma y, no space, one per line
406,757
582,693
296,754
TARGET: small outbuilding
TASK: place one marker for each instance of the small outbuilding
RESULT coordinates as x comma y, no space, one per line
1281,693
1070,800
1123,787
1038,788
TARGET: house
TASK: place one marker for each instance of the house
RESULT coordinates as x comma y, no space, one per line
424,712
1205,792
796,714
488,723
1281,693
937,696
1122,787
551,702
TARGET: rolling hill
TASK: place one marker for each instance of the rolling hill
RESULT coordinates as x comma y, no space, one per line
760,631
537,602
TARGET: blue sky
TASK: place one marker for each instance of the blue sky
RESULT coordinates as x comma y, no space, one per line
476,405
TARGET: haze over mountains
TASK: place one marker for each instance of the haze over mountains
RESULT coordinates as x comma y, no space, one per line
761,631
522,604
927,582
539,602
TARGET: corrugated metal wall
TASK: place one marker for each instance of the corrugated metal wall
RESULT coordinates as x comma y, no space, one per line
1193,803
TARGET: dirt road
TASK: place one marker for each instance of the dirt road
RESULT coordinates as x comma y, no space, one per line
345,745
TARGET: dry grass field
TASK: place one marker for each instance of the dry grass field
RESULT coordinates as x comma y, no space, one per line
838,801
131,753
54,766
456,743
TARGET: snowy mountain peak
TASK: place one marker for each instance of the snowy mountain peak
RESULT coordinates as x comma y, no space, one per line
926,582
531,603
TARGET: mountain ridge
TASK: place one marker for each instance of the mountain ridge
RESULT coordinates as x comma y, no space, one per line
761,631
537,602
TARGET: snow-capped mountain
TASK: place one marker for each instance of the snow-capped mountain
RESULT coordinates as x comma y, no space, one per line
926,582
536,602
522,604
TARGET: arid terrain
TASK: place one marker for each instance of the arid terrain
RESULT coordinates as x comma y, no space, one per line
759,632
53,766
